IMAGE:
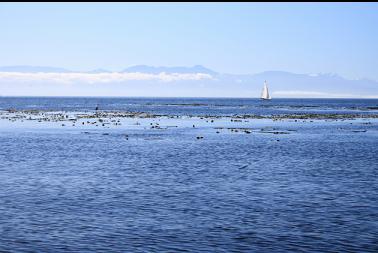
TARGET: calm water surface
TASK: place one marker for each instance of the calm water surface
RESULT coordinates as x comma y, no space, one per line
195,106
313,190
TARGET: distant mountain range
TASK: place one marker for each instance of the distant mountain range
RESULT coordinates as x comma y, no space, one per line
33,69
132,69
202,82
157,70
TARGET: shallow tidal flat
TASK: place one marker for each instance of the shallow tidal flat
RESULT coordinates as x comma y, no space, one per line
141,182
123,120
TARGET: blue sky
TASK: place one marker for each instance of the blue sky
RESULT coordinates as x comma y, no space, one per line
235,38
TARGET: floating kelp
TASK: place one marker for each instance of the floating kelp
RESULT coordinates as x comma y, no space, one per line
274,132
105,117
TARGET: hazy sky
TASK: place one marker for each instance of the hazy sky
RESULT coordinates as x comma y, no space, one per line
227,37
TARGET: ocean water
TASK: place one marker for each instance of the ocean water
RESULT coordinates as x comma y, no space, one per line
133,188
195,106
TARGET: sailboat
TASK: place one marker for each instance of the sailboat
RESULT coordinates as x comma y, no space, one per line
265,93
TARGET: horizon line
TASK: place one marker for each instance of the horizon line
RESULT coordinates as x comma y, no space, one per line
258,98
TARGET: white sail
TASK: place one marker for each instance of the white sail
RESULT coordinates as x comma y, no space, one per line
265,92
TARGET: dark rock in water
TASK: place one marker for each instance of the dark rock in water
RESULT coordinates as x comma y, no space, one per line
274,132
11,110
